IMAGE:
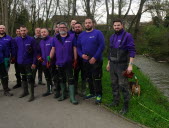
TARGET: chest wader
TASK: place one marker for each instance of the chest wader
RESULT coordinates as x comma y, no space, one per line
119,59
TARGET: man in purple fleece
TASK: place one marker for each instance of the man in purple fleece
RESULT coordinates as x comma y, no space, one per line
65,52
90,46
122,53
26,58
48,65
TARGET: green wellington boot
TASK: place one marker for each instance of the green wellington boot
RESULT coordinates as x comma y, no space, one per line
72,94
31,87
63,89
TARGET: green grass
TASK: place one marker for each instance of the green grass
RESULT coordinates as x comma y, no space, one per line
149,109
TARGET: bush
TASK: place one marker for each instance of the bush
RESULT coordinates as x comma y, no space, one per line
153,41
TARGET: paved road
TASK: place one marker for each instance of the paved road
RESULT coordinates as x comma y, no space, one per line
49,113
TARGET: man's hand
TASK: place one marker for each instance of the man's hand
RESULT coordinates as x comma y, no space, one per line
40,59
85,57
33,66
75,63
108,66
13,60
92,60
129,69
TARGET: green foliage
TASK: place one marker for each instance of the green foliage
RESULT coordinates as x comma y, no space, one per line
149,109
153,41
107,35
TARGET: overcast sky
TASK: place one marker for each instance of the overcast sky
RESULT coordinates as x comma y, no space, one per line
101,11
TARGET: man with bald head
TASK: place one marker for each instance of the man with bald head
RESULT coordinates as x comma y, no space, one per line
72,24
5,54
43,56
90,47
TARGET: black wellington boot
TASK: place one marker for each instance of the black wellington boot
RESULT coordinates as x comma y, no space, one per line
25,89
49,88
124,109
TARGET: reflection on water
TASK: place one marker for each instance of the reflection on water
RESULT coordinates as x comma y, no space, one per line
158,72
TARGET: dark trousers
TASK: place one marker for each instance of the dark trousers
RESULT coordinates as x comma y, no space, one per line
77,71
17,73
39,69
47,73
26,73
66,74
119,82
4,77
93,74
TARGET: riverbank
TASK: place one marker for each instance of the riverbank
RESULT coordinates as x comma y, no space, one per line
150,109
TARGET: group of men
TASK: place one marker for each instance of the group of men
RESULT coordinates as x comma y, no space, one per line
63,56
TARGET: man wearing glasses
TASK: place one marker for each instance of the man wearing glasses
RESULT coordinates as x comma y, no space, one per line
65,51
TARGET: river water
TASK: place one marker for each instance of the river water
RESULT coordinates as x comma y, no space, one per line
157,72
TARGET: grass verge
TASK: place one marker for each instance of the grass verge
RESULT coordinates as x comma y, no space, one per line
150,109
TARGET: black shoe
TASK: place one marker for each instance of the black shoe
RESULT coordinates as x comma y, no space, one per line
114,104
46,94
8,89
124,111
31,99
7,93
23,95
41,83
17,86
56,95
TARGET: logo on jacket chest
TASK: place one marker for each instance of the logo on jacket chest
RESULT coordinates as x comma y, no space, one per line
90,37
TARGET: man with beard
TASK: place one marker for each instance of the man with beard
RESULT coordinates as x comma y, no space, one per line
72,24
17,71
122,53
5,48
65,51
43,57
38,68
78,29
90,48
26,58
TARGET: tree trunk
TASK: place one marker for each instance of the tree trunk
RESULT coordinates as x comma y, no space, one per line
128,9
139,13
120,7
107,10
74,8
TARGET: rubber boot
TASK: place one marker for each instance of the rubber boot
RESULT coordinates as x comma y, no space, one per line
124,109
4,82
49,88
31,88
83,89
72,94
57,90
63,94
25,89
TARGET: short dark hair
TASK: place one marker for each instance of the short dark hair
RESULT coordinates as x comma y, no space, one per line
118,20
78,23
22,26
93,21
